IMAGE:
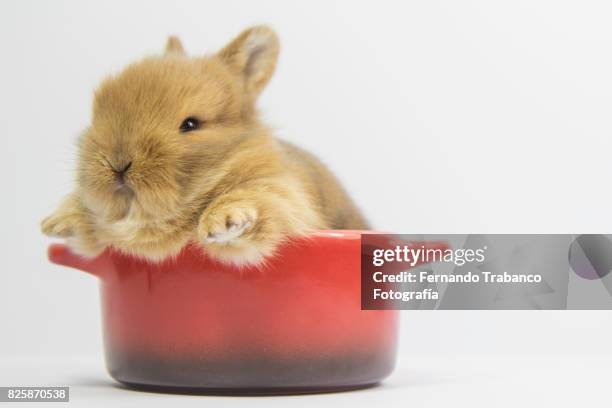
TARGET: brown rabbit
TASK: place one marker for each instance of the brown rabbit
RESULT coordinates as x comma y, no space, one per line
175,152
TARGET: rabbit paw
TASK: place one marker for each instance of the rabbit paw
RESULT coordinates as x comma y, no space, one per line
225,225
59,225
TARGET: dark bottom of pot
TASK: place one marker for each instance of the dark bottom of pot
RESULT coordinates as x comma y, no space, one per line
249,375
245,392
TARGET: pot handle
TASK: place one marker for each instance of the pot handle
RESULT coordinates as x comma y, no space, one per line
60,254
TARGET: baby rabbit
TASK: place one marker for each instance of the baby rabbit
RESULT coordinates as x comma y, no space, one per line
176,153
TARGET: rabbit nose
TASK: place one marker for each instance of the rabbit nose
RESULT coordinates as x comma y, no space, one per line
120,172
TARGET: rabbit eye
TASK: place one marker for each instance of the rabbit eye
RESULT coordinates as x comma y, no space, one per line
190,124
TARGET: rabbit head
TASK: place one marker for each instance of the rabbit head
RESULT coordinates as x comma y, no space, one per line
161,128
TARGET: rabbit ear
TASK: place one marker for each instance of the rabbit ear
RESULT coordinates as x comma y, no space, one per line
174,46
253,54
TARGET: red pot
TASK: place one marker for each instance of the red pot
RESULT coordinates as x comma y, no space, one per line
295,325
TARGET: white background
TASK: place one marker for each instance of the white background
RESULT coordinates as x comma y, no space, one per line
439,116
